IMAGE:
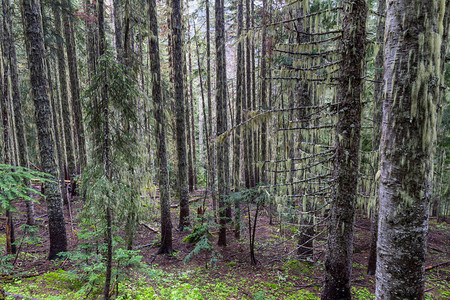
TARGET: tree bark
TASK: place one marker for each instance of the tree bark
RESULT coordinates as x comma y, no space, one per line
376,133
33,33
16,99
412,77
221,103
183,191
338,264
74,88
238,119
118,29
211,169
69,158
161,152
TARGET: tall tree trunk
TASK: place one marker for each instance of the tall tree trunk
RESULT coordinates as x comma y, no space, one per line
35,46
55,104
16,99
248,147
160,132
211,169
118,28
376,133
105,154
412,77
191,104
338,264
221,102
263,91
238,120
65,101
74,87
4,90
182,183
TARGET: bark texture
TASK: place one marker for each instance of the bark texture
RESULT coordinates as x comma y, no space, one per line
74,87
412,79
180,117
221,104
161,152
338,264
238,119
33,34
376,134
10,48
65,100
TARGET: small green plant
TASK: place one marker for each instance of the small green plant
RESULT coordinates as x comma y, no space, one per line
201,237
12,184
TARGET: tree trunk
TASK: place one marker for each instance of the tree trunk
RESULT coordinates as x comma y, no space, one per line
35,45
238,120
182,183
338,264
248,147
16,99
221,102
412,77
376,133
211,169
65,101
118,29
75,89
160,132
57,112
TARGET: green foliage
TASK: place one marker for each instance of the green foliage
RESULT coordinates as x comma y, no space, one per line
201,237
362,293
197,234
12,183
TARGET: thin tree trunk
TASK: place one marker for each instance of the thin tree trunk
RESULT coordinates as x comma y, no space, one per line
191,104
248,148
183,191
69,157
211,169
338,264
376,133
75,90
238,120
35,46
118,29
105,154
412,76
160,132
56,112
4,90
16,99
221,102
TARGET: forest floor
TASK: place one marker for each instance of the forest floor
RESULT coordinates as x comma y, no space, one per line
221,273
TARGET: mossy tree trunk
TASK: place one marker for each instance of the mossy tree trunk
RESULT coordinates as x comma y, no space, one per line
33,33
338,264
221,104
412,77
376,133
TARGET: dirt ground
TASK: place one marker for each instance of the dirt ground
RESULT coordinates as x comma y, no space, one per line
275,249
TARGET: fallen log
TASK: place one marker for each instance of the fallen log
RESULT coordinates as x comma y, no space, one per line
150,228
190,201
437,265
